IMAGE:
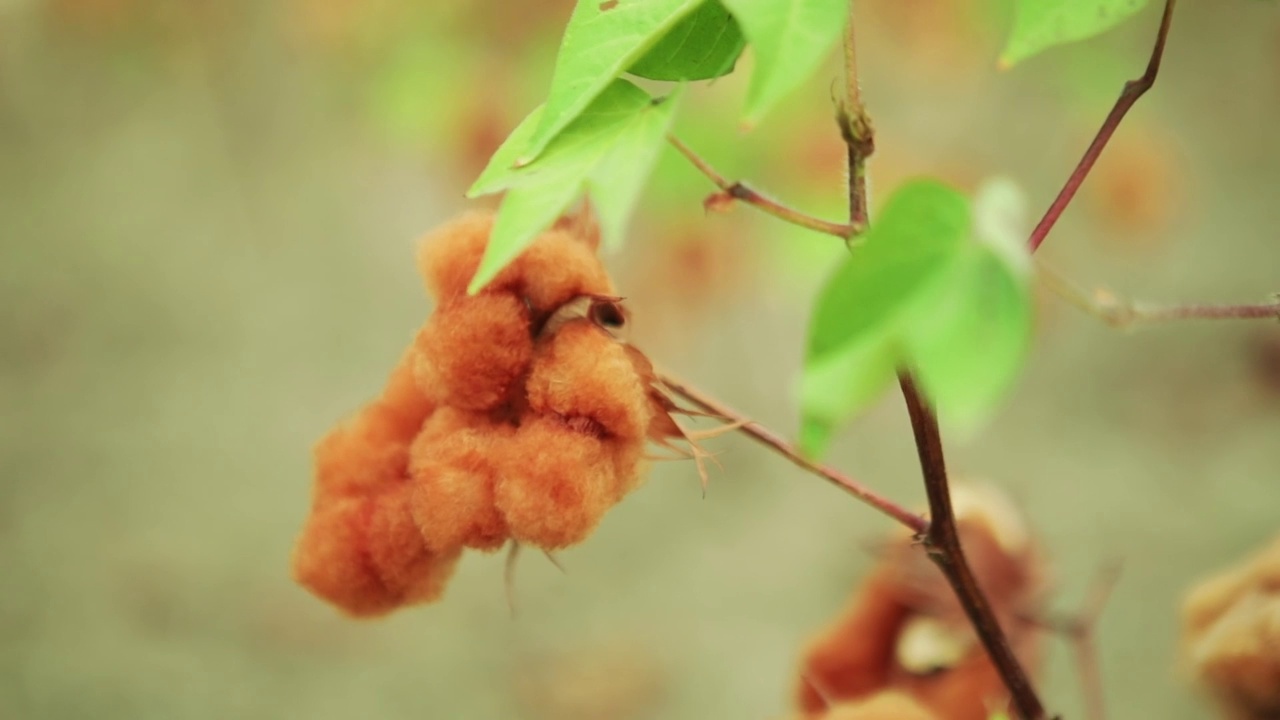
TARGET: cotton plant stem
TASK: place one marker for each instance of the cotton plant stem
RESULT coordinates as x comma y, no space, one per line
1125,314
855,128
1133,90
941,538
732,190
942,543
775,442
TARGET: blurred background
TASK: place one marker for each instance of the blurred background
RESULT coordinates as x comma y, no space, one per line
207,218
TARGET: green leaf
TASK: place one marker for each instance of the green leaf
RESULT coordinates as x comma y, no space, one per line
617,180
973,330
968,338
1040,24
916,238
836,388
936,287
791,38
609,150
601,41
704,45
501,172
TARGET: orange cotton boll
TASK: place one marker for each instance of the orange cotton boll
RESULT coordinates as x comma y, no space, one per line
852,657
359,555
968,690
449,255
1231,636
559,266
882,706
557,480
408,569
454,475
473,350
371,449
883,643
904,630
583,372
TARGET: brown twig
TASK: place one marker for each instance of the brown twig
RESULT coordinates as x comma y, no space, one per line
772,440
855,128
942,542
738,191
1079,630
1121,313
941,537
1133,90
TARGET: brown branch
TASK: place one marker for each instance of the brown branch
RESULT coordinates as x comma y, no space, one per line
855,128
1121,313
1079,630
730,191
1133,90
942,542
1085,646
941,538
772,440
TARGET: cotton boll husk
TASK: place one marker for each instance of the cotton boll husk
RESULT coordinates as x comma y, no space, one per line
454,473
472,351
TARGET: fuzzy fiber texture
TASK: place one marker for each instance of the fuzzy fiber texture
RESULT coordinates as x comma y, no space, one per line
507,418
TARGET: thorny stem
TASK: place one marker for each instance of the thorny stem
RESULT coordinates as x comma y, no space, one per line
1121,313
941,537
772,440
1133,90
730,190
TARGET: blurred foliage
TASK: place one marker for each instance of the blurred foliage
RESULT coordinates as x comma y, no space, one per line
205,211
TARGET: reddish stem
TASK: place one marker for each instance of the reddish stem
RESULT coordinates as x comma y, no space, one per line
1133,90
772,440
